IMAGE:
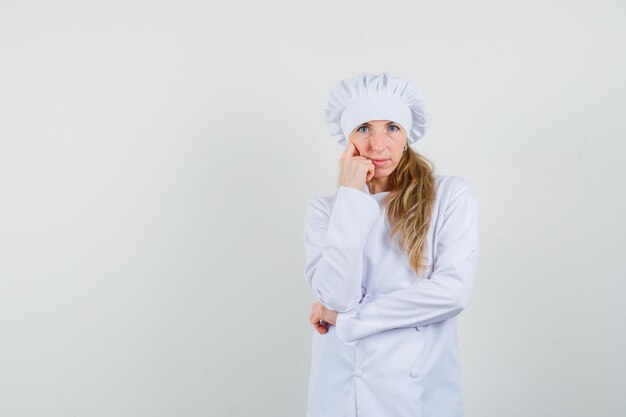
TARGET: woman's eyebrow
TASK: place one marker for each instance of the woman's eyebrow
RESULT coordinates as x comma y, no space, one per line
369,124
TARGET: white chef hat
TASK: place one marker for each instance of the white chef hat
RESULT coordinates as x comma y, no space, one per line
364,97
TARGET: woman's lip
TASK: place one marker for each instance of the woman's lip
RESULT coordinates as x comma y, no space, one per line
379,162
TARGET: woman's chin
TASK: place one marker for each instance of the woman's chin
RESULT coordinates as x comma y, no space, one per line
377,178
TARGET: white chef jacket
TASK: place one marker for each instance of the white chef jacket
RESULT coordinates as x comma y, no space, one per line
393,351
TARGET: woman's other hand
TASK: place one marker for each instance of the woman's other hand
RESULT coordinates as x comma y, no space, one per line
319,312
354,170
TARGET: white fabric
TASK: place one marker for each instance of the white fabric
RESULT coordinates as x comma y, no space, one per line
369,108
350,91
393,351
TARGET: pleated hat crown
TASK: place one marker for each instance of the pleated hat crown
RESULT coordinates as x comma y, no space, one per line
364,97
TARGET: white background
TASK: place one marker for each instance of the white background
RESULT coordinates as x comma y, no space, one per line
156,158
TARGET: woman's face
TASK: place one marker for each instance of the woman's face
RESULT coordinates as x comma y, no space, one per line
380,140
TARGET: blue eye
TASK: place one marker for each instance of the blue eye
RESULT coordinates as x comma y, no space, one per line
394,128
362,127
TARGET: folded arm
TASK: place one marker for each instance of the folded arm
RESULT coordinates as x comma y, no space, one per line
333,243
426,301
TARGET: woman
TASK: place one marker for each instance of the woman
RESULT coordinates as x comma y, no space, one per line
391,258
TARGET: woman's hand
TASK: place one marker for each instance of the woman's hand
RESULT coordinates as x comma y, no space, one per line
319,312
354,170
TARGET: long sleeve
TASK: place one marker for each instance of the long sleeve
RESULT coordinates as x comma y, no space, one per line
444,295
333,242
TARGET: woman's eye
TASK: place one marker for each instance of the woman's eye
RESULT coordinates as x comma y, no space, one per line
394,128
362,129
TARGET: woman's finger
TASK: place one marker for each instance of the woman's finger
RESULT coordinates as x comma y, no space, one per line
320,328
350,151
315,318
371,170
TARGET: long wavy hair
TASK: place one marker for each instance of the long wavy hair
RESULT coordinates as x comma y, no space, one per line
410,204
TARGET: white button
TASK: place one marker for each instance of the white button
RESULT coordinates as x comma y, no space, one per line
358,372
419,328
414,373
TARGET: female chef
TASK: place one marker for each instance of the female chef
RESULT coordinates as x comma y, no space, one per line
391,258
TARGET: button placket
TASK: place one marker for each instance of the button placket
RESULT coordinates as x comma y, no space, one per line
360,395
414,371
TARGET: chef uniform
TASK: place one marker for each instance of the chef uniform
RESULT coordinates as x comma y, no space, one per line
393,351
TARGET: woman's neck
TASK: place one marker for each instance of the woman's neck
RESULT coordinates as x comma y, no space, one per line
378,185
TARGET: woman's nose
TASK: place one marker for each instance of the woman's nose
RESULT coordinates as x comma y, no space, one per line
378,140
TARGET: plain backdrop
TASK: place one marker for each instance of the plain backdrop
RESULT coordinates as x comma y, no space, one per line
156,158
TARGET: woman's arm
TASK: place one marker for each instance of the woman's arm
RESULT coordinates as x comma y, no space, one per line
333,243
426,301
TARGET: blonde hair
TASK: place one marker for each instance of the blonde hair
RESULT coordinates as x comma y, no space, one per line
410,204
